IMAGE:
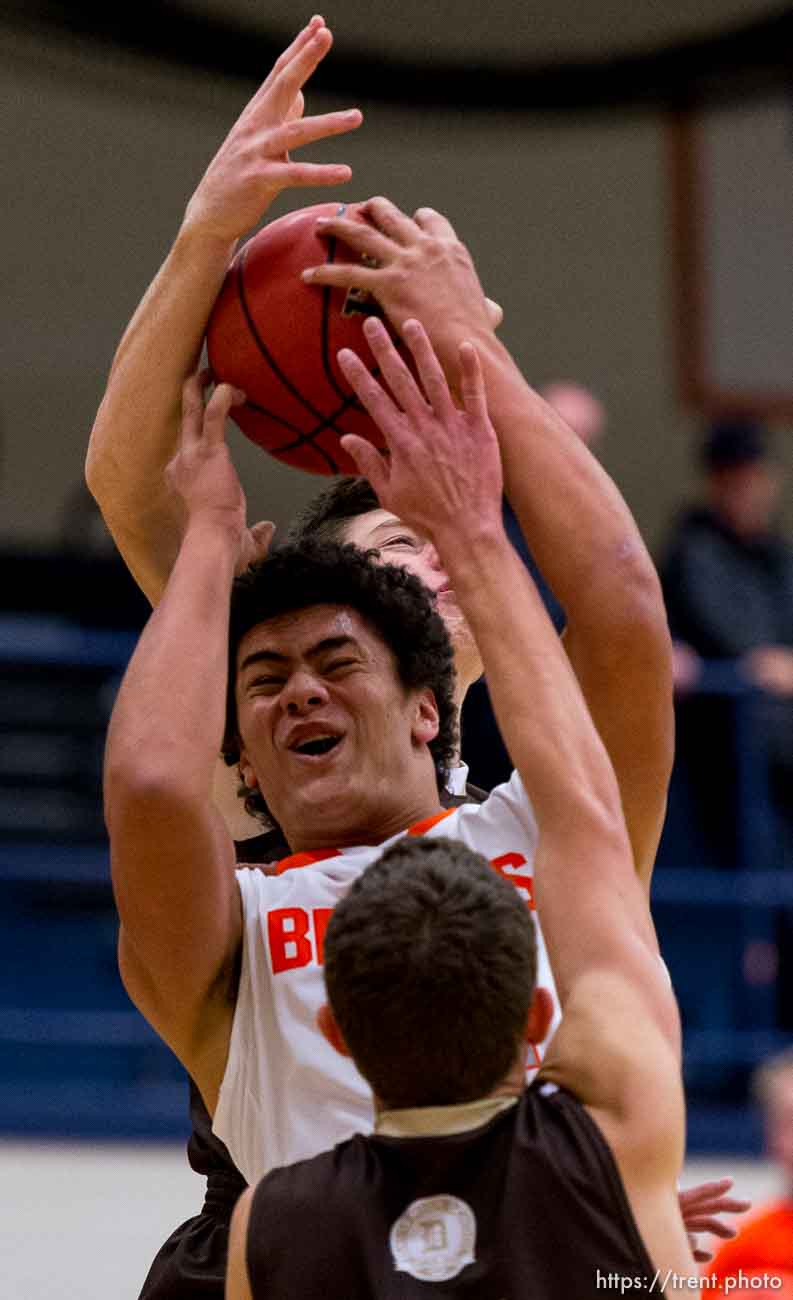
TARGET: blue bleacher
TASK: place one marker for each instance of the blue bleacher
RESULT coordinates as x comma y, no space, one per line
78,1060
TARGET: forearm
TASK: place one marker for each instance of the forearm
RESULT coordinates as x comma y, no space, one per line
538,703
588,548
577,525
167,725
171,860
136,428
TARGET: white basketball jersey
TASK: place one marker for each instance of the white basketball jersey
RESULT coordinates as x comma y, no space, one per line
286,1094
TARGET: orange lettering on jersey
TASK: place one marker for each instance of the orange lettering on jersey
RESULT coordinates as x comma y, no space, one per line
297,937
507,866
321,917
287,935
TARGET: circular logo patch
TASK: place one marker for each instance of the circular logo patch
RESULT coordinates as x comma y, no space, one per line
434,1239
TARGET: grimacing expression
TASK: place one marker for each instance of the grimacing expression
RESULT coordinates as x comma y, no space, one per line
398,543
326,725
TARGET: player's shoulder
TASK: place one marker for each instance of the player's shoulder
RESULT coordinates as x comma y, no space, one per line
506,805
299,1185
319,876
621,1062
503,823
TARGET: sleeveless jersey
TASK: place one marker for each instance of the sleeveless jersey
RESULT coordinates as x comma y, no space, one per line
286,1094
529,1206
191,1264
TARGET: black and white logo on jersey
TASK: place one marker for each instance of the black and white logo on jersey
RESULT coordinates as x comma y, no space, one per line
434,1239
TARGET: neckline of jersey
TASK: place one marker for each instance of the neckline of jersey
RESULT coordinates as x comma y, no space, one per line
309,856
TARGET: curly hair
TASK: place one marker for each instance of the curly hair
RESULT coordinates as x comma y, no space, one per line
395,604
327,514
430,967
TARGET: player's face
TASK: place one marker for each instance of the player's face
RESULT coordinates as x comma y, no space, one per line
329,733
397,543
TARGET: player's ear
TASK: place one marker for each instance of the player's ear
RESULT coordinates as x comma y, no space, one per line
426,720
538,1021
247,774
326,1021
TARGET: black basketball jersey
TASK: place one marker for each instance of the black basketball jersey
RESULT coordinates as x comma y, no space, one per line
530,1206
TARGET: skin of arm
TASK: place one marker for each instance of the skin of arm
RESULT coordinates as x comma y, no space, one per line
577,525
137,425
618,1045
238,1285
172,859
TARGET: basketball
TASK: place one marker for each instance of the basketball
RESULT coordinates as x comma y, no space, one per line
276,338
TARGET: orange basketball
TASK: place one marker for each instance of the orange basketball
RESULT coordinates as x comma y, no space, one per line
277,338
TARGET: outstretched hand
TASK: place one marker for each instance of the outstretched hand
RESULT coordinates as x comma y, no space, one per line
253,164
702,1207
443,471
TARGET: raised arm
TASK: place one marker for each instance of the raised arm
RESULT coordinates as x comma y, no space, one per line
577,525
445,477
617,1046
136,429
172,859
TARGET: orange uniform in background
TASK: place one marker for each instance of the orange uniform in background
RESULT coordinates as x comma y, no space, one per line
763,1245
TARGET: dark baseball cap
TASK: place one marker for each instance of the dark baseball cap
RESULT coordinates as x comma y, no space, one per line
734,442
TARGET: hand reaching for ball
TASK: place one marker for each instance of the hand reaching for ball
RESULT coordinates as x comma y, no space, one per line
443,471
202,472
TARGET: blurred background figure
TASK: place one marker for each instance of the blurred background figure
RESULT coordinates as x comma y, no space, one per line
728,581
765,1243
578,407
728,572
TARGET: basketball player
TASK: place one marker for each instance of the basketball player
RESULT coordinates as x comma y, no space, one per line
616,636
344,688
473,1184
575,1183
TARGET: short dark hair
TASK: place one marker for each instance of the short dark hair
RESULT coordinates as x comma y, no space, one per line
396,604
327,514
430,967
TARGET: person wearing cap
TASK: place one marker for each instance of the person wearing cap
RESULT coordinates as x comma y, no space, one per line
727,575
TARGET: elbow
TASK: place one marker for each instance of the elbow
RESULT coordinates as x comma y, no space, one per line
621,598
142,794
638,617
640,586
92,478
96,460
94,468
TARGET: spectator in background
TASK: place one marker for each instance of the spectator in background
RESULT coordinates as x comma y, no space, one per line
728,584
728,574
765,1243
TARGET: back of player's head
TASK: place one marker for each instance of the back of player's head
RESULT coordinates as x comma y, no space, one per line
430,965
327,515
395,604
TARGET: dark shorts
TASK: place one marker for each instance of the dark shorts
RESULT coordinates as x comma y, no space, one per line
191,1265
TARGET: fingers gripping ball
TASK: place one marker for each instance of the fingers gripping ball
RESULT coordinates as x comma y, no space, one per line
277,337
